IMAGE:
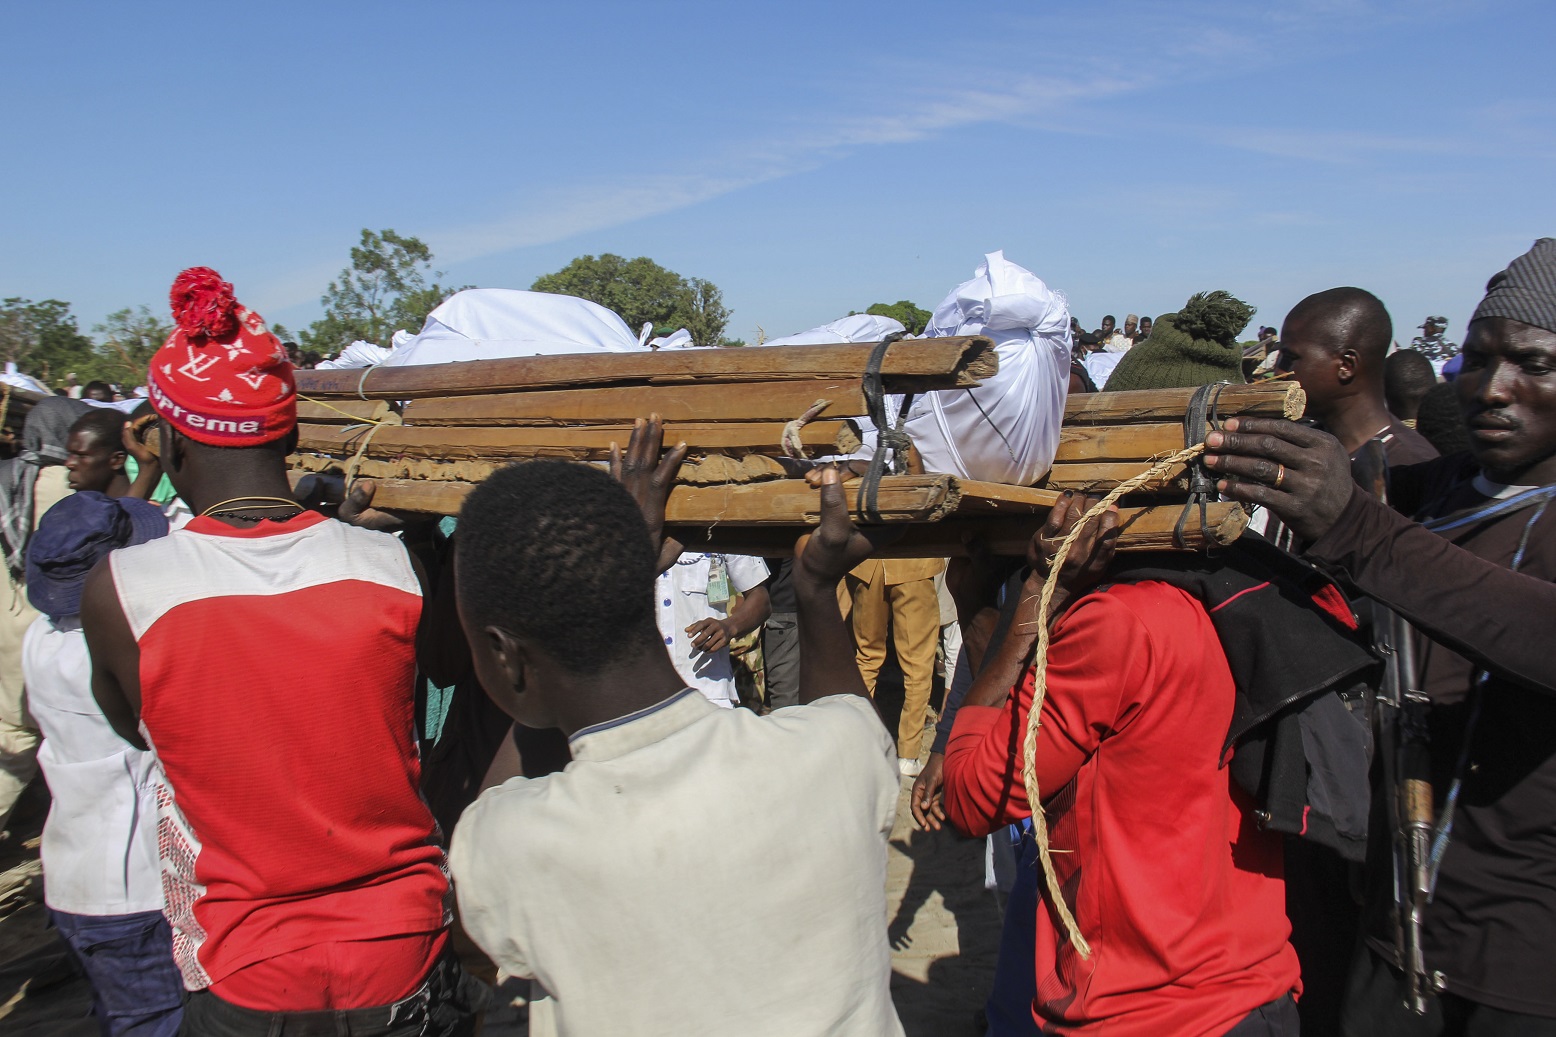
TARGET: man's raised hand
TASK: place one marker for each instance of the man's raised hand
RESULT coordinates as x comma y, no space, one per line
1299,473
1091,554
826,556
648,472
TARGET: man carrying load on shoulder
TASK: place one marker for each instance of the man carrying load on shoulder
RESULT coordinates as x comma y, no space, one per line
607,882
267,654
1161,721
1463,550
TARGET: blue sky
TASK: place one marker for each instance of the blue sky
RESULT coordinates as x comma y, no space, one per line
809,158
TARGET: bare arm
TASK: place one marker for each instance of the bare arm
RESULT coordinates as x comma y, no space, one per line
709,635
148,466
115,655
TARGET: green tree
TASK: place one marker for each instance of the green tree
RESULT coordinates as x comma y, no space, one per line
642,291
708,316
385,288
44,340
912,317
128,337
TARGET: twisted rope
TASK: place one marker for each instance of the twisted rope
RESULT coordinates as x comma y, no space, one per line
1040,685
790,441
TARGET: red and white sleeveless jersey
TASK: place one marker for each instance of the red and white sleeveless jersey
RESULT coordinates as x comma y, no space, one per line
277,666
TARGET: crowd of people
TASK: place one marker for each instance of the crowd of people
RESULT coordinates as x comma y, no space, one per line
1305,783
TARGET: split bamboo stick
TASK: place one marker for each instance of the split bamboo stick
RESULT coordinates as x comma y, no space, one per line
909,365
1093,476
589,443
902,498
736,401
1138,443
1267,399
342,412
1143,529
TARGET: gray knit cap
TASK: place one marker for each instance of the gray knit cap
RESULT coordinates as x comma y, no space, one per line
1526,290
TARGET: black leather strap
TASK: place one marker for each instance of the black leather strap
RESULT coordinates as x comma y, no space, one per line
886,437
1198,421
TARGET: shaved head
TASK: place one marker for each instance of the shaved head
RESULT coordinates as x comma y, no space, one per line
1346,318
1334,344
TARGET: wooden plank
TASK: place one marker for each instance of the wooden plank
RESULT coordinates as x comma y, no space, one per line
341,412
590,443
947,363
903,498
1144,529
1269,399
748,401
1095,476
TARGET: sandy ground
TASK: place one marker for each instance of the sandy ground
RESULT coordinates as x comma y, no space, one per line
944,929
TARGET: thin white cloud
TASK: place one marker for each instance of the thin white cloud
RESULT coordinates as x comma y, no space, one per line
1204,41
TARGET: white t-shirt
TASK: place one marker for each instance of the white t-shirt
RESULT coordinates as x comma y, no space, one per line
681,599
100,840
682,841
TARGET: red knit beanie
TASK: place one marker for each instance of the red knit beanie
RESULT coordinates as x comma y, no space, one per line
221,378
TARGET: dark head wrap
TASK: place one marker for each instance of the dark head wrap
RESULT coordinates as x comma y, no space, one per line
43,444
1526,290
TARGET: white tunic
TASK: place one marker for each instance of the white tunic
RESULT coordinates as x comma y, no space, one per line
100,840
683,843
681,599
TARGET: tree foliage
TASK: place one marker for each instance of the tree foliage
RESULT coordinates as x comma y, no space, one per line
43,339
642,291
389,285
914,318
128,337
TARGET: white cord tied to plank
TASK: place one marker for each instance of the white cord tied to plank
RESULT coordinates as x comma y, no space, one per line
1040,686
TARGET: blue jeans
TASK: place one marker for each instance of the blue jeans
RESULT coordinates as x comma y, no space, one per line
1009,1008
136,988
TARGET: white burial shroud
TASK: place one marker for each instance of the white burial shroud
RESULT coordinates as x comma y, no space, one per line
856,327
491,323
1007,429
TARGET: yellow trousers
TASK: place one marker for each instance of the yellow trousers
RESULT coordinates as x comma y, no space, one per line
914,614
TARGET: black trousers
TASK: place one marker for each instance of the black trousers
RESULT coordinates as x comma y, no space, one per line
1276,1019
1375,1007
446,1005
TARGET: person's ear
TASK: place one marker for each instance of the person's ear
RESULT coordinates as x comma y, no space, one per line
511,655
118,459
1346,365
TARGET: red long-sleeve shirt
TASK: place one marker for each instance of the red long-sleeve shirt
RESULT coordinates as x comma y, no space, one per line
1178,892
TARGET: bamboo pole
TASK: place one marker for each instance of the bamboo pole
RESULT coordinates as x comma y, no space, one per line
589,443
738,401
1267,399
909,364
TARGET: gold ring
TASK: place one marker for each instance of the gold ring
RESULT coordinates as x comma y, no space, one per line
1280,476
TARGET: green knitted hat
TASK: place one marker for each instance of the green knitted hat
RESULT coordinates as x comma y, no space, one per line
1195,346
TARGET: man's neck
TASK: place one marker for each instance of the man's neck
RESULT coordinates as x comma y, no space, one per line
1357,421
619,690
240,491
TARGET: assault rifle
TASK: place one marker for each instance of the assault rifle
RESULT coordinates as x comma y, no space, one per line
1404,745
